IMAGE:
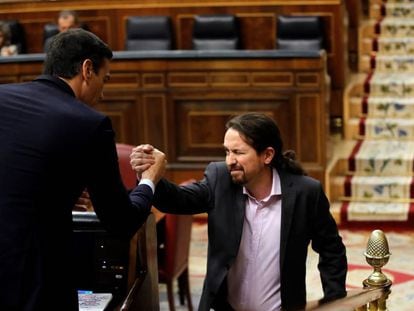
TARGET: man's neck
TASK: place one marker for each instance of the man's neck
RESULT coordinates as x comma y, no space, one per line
74,84
261,187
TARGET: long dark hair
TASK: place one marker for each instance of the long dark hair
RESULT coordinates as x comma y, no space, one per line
260,131
70,48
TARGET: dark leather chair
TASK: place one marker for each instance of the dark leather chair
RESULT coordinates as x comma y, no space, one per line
49,31
17,35
174,237
299,33
148,33
216,32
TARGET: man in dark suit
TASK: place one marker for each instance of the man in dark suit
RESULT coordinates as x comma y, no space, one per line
53,145
262,214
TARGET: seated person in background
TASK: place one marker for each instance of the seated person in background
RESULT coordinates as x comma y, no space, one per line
67,19
6,49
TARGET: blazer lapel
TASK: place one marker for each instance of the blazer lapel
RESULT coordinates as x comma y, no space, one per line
238,201
288,205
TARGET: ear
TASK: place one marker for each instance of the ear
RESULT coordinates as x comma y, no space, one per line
87,69
269,154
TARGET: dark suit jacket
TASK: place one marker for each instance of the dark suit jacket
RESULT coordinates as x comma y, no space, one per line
52,146
305,218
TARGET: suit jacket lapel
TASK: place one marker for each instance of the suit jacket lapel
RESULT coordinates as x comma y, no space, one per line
288,205
238,201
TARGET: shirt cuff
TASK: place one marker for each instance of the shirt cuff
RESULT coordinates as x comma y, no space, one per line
148,182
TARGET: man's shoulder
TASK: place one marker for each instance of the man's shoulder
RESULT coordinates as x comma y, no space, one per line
218,164
218,172
16,86
298,179
51,98
218,167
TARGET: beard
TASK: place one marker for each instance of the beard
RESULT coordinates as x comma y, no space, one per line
237,175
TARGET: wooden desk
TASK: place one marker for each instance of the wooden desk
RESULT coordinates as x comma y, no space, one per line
179,101
106,18
107,263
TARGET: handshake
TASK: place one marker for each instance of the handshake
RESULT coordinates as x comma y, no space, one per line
148,162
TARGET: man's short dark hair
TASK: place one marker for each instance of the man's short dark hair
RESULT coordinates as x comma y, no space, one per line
69,49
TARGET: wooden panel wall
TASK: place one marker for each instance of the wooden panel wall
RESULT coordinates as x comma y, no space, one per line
257,19
181,105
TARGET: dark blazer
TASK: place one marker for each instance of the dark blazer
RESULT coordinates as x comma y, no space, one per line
305,218
52,146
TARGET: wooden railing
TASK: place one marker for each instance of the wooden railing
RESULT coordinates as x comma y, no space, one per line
360,299
143,294
376,288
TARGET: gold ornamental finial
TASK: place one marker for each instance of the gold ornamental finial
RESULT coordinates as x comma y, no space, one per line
377,255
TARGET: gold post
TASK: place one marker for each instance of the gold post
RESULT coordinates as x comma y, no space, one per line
377,256
373,305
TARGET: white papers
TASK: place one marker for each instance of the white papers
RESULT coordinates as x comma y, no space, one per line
94,301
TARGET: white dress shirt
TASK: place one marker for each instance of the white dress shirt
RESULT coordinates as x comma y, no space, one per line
253,281
148,182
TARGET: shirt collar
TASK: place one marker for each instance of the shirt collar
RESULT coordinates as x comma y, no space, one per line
276,188
56,82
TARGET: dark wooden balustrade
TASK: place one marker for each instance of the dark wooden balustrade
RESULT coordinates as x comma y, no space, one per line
356,300
143,292
376,288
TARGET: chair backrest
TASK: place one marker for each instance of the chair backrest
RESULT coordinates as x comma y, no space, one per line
49,31
17,35
216,32
299,33
148,33
177,244
127,173
52,29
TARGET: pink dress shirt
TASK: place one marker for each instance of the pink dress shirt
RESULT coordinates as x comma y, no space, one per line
253,281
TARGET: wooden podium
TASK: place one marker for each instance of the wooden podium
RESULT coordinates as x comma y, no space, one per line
108,264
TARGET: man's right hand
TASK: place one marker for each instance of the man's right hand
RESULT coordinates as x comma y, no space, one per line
84,203
148,162
141,159
156,171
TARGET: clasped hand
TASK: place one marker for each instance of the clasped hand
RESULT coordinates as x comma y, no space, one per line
148,162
